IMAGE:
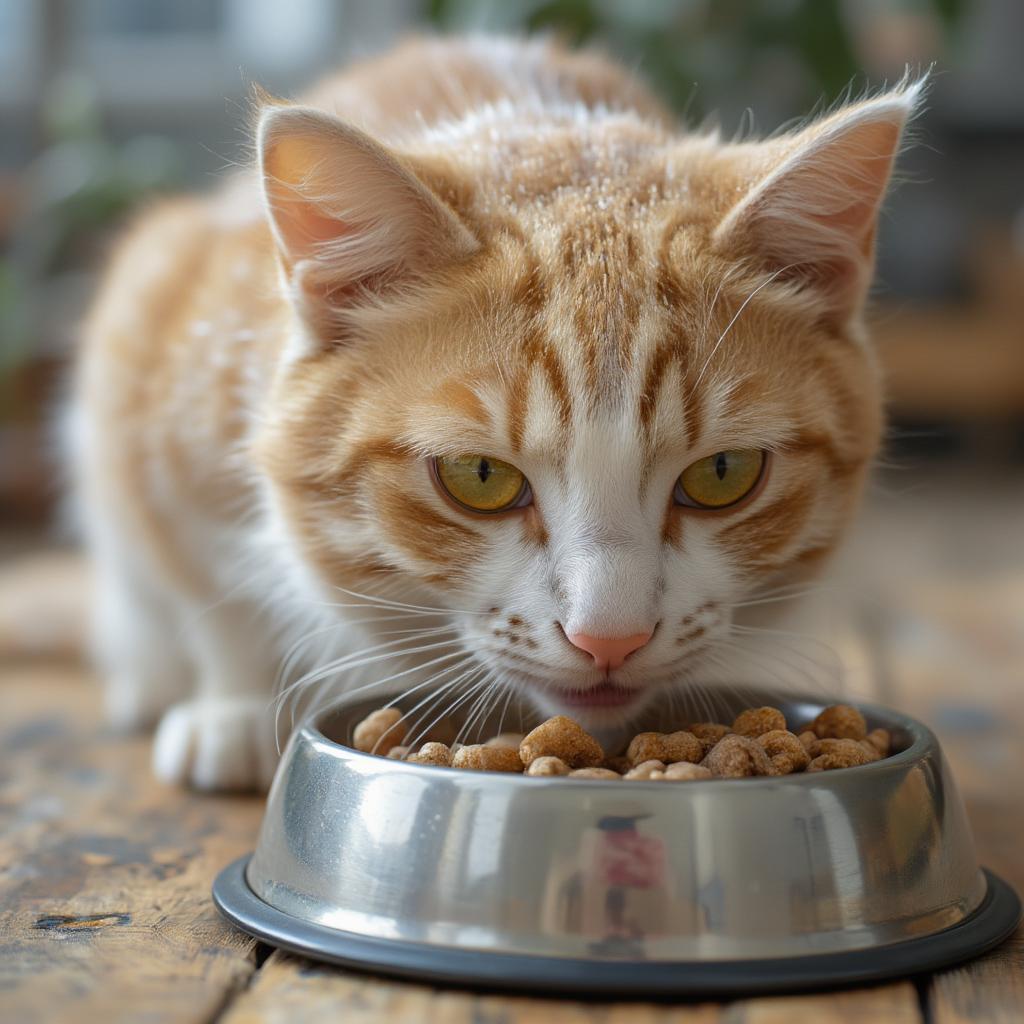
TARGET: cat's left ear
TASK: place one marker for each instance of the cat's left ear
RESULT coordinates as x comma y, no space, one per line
351,218
811,216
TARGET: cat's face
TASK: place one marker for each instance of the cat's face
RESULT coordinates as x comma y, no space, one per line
609,405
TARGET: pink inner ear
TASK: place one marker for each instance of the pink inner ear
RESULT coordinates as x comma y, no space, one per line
305,226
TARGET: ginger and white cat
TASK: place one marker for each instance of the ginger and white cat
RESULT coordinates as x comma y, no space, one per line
489,377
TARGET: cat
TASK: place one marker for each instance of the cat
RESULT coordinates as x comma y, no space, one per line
487,378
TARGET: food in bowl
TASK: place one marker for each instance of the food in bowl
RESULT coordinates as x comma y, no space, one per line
759,742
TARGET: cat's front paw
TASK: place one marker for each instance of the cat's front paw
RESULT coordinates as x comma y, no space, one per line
224,743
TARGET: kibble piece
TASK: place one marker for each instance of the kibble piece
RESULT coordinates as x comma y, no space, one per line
432,753
840,722
398,753
668,747
505,739
684,771
838,753
870,749
564,738
757,721
379,731
735,757
709,733
487,759
645,746
681,746
548,766
808,739
618,763
881,740
644,770
786,753
594,773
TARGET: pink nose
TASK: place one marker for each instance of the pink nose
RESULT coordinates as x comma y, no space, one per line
609,652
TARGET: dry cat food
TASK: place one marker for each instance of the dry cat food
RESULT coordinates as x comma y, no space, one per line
758,742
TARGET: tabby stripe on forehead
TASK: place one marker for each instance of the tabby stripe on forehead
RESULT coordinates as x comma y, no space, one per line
537,352
766,532
670,350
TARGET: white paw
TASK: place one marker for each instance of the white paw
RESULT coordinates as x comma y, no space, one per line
224,743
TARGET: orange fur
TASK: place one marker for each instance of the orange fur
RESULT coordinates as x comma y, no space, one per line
483,247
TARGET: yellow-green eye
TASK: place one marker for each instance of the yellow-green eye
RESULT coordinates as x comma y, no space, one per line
720,480
482,483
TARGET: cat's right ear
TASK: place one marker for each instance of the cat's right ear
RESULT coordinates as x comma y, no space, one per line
350,218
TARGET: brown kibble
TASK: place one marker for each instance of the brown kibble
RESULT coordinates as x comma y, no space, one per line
548,766
809,740
684,771
505,739
379,731
479,758
734,757
840,722
564,738
432,753
870,750
645,746
668,747
839,753
398,753
709,733
785,751
881,740
681,746
644,770
619,763
757,721
594,773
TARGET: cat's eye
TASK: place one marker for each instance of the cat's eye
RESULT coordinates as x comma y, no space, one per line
720,480
482,483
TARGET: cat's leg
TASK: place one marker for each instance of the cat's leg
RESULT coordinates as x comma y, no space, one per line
224,738
137,640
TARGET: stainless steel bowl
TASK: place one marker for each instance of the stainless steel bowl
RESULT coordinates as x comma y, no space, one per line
600,886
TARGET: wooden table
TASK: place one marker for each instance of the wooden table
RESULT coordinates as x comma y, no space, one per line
105,875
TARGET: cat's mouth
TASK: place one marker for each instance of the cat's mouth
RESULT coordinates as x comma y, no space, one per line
604,695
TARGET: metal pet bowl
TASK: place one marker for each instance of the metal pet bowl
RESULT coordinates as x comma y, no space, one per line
601,887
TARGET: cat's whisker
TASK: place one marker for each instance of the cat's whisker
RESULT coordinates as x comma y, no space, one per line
729,326
292,656
420,731
436,694
352,662
382,602
373,685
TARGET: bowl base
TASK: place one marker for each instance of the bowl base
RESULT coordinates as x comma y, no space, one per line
994,920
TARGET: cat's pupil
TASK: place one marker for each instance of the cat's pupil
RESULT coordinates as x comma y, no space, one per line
483,470
721,465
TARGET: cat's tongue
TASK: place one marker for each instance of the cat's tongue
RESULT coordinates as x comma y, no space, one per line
606,695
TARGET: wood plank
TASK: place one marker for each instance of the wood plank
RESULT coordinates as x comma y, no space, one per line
893,1004
288,990
965,683
105,875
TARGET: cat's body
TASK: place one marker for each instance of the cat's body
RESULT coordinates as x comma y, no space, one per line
547,274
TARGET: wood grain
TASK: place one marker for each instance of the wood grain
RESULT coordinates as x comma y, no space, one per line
104,874
966,684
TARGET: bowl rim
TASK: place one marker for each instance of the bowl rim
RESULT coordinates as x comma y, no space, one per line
923,742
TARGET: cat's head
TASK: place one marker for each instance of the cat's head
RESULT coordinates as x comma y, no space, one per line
589,384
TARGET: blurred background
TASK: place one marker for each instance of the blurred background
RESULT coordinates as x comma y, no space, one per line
105,103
